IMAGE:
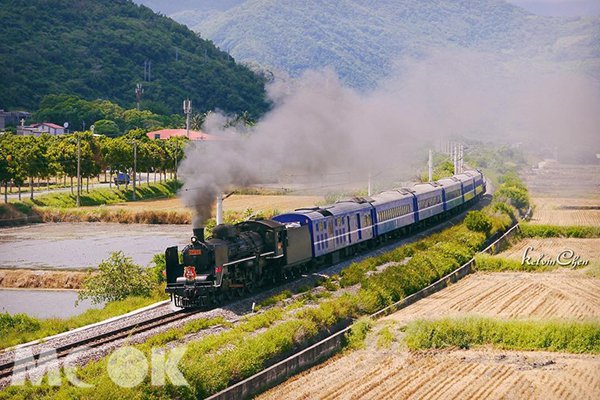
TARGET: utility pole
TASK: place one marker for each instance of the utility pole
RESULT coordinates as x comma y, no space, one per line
430,166
134,166
369,185
219,208
78,169
139,90
187,110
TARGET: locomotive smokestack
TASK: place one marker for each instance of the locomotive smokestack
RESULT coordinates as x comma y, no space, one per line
199,233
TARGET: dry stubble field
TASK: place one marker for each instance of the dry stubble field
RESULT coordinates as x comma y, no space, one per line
565,211
470,374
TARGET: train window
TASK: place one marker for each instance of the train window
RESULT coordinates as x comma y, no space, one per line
329,228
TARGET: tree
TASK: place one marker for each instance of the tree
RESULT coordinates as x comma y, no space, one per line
106,127
31,157
118,154
117,278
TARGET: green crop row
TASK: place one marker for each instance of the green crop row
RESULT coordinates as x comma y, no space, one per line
464,333
547,231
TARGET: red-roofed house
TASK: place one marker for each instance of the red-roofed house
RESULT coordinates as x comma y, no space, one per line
38,129
49,127
164,134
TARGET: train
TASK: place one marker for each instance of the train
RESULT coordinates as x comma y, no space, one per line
240,258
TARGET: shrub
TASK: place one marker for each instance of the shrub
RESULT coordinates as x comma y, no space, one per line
514,196
505,209
117,278
355,338
17,323
477,221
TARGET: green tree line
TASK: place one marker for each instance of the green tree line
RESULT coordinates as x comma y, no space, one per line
30,158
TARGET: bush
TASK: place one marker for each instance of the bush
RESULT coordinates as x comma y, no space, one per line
17,323
477,221
117,278
355,338
485,262
514,196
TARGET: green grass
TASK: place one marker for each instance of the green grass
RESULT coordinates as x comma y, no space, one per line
464,333
286,294
547,231
21,328
355,338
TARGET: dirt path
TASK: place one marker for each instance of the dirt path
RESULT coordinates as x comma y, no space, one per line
369,374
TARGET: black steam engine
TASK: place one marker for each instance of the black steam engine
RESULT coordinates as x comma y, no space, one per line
231,263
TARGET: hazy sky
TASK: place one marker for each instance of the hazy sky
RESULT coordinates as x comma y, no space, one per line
560,7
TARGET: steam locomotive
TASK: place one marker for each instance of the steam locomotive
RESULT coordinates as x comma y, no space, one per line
239,258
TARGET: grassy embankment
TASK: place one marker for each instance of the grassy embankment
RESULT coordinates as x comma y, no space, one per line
217,360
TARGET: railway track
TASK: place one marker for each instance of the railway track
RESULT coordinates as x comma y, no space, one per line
42,358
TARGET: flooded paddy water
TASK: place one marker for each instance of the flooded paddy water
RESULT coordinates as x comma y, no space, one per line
74,246
43,303
84,245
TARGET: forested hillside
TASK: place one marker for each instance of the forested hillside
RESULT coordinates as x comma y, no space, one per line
362,40
102,49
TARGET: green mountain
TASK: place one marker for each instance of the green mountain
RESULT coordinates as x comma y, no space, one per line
102,49
362,39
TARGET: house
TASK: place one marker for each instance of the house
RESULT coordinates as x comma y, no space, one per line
164,134
50,128
38,129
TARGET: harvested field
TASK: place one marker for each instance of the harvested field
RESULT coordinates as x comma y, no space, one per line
566,211
238,203
552,179
551,248
10,278
482,374
562,293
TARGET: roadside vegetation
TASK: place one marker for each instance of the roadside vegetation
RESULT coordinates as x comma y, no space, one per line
465,333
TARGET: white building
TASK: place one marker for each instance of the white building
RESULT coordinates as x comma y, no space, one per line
38,129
